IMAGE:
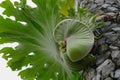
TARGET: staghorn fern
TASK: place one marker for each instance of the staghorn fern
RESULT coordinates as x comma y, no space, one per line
60,46
78,38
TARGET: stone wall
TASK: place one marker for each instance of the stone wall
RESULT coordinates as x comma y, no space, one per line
99,6
107,64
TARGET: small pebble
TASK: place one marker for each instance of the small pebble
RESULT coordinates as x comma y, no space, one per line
112,9
108,78
106,68
117,73
105,6
115,54
113,47
109,1
97,77
116,29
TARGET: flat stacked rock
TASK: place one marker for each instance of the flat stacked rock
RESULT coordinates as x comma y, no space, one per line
107,64
98,6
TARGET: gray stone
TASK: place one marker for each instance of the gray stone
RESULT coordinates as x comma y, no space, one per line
108,34
108,78
114,36
118,43
105,28
97,77
106,68
104,47
108,27
115,5
111,37
115,54
112,14
97,11
99,2
114,24
109,1
118,62
88,6
93,6
90,74
102,58
117,73
118,1
116,29
84,2
112,74
112,9
92,1
113,47
108,23
105,6
101,41
116,57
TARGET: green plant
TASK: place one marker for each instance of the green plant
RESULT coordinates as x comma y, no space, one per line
59,38
77,39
